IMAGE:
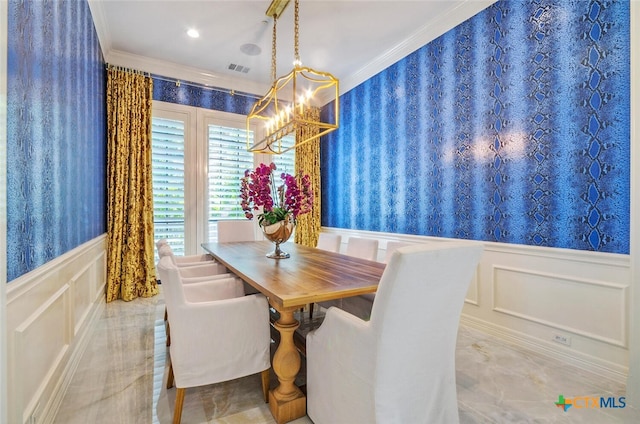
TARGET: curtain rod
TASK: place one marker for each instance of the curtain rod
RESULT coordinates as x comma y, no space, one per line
206,87
109,66
179,82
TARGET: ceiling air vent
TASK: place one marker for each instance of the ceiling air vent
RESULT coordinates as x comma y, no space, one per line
239,68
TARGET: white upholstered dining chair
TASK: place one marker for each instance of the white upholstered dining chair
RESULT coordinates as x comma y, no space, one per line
360,306
193,269
164,248
358,247
399,367
236,230
329,242
392,246
220,338
362,248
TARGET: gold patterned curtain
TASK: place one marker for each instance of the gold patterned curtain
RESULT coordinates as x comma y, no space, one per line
307,161
130,261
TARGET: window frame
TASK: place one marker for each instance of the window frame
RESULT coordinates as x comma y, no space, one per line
196,145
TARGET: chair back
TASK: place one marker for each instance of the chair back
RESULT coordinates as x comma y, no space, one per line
392,246
330,242
171,282
167,251
236,230
161,242
415,319
363,248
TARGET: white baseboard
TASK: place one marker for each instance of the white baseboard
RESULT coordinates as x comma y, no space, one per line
592,364
529,296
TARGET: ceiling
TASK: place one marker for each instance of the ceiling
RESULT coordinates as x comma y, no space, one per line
352,39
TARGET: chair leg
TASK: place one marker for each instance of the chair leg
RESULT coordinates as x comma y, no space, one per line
170,378
177,413
265,384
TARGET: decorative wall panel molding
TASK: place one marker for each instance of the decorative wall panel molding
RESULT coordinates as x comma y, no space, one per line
512,127
49,313
39,345
592,308
527,295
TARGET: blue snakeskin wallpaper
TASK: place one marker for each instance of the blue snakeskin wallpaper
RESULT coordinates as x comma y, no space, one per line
513,127
196,95
56,153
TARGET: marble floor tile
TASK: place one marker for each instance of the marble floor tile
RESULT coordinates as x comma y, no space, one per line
121,379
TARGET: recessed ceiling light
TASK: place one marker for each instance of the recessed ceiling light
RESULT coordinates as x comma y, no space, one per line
193,33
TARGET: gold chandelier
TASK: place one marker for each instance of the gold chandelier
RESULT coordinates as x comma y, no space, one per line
292,104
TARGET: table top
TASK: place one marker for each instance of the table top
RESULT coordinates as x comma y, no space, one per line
310,275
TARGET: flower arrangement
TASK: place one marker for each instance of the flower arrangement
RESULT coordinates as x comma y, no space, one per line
290,199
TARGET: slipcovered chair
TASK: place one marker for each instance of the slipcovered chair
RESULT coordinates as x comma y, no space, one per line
204,268
191,273
360,306
362,248
161,242
236,230
392,246
184,261
399,367
220,339
329,242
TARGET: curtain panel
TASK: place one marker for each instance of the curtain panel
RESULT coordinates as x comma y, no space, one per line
130,243
307,161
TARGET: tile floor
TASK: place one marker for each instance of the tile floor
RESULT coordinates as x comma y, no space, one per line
121,374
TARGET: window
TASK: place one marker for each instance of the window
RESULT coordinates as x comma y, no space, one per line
199,157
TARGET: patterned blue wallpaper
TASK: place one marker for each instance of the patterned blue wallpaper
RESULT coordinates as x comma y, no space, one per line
192,94
56,153
513,127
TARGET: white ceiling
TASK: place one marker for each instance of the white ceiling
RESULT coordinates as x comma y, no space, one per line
352,39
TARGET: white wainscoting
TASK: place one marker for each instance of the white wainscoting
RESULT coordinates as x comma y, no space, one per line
537,298
49,311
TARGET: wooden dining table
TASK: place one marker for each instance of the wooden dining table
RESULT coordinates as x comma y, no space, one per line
310,275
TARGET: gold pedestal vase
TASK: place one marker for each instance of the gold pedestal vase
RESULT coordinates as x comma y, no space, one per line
279,233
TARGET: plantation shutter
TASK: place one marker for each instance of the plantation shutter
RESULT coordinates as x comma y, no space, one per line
228,159
168,137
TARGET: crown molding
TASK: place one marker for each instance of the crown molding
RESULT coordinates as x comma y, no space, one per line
432,29
184,73
453,16
160,67
100,24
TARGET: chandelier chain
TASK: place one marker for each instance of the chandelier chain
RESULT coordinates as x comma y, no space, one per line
273,50
296,30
